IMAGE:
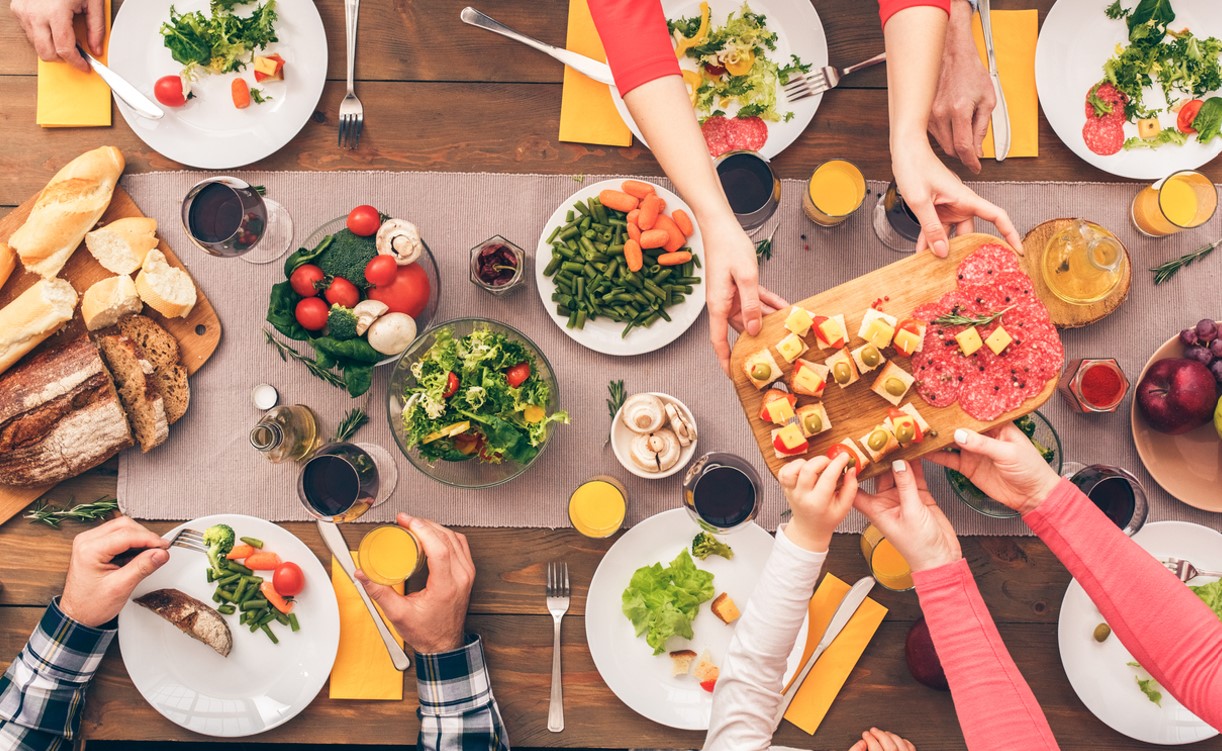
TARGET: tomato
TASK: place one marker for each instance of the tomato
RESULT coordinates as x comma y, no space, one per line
469,444
518,374
311,313
714,70
364,220
169,91
342,292
408,293
381,270
451,386
839,449
303,279
288,579
708,685
1187,114
911,325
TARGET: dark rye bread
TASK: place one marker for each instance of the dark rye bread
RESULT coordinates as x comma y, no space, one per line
59,415
141,398
161,349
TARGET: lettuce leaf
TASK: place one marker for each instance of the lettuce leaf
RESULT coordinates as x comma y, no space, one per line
1212,595
663,602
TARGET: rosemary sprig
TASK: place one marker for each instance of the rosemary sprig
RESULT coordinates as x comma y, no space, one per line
616,390
954,319
351,423
1165,271
315,369
98,509
763,249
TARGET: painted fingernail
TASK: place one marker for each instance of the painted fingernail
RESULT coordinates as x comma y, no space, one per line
898,466
961,436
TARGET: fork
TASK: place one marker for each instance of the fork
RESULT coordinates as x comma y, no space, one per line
557,605
1185,570
351,111
827,77
191,539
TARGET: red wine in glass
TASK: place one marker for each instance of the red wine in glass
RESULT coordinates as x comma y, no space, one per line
1117,493
229,218
342,481
721,492
894,223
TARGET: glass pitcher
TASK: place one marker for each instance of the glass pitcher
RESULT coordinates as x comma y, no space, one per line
1083,263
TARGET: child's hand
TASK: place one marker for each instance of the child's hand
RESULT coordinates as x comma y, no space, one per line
818,508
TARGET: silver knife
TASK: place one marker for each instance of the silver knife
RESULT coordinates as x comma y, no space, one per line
588,66
1001,115
129,94
334,541
844,613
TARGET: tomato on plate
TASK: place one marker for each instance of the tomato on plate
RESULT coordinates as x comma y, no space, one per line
304,278
1187,114
451,386
839,449
169,91
342,292
288,580
408,293
311,313
364,220
381,270
518,374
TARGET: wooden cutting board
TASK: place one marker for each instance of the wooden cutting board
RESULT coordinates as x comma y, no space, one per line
911,282
198,334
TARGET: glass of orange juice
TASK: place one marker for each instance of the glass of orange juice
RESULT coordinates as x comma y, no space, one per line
836,190
886,564
389,554
1180,201
598,506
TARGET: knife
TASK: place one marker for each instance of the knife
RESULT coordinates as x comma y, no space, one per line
844,613
128,94
334,541
600,72
1001,116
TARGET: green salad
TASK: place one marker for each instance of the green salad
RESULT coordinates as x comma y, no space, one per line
663,602
1027,424
1211,594
479,396
220,41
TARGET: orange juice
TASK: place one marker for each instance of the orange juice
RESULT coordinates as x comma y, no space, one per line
389,554
597,508
836,189
887,565
1182,201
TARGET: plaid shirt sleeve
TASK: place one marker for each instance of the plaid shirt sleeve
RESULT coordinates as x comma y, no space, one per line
457,710
43,691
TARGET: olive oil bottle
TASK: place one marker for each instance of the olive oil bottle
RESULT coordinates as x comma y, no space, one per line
287,433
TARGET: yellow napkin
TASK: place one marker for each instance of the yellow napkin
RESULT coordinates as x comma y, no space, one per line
826,678
68,98
363,669
587,114
1014,36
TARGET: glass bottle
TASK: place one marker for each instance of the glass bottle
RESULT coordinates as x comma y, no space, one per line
287,433
1083,263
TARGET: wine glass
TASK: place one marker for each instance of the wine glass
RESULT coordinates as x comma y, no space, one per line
342,481
1117,493
722,492
894,223
228,217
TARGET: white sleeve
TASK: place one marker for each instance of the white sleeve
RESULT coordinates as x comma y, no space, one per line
748,690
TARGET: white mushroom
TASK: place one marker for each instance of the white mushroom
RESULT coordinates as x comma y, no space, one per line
643,413
655,452
684,431
391,333
366,312
401,239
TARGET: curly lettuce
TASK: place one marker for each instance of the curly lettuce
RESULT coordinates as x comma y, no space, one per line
663,602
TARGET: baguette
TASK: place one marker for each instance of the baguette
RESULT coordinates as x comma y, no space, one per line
108,300
8,262
122,245
36,314
195,619
66,209
168,290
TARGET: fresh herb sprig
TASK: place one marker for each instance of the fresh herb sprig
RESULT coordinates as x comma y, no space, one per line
315,369
351,423
614,403
763,249
1164,272
954,319
98,509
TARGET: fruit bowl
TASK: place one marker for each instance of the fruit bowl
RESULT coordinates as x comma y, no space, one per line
1044,436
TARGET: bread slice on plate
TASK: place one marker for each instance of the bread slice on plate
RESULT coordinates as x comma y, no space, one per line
108,300
192,617
167,289
122,245
161,349
138,391
681,661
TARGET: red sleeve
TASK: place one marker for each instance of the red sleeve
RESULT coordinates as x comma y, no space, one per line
888,8
636,39
1167,628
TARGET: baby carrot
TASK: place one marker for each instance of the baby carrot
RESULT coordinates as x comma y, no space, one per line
674,259
262,561
654,238
634,231
241,93
633,215
637,188
651,206
677,239
239,552
614,199
271,595
683,221
633,255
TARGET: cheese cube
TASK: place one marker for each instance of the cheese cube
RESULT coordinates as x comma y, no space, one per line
999,340
799,320
761,368
868,357
813,419
969,341
877,328
809,378
778,407
1148,128
789,441
907,342
892,383
842,369
831,332
879,442
791,347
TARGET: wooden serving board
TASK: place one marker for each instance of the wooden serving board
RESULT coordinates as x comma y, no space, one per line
911,282
1067,315
198,334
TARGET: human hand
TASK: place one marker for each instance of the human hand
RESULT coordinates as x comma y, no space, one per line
96,589
880,740
965,98
48,25
732,289
431,620
1005,465
908,516
818,507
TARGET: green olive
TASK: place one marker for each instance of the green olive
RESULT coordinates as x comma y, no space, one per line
760,371
842,372
904,433
1102,631
894,387
814,423
871,356
877,440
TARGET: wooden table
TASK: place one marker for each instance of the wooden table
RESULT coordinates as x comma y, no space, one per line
440,95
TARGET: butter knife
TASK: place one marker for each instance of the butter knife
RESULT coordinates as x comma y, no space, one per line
128,94
588,66
844,613
1001,115
335,542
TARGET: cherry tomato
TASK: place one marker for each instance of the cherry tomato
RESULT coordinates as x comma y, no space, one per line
518,374
708,685
381,270
364,220
451,386
1187,114
342,292
169,91
408,293
714,70
839,449
311,313
288,580
303,279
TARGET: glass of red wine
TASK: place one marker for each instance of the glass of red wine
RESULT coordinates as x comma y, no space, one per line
228,217
722,492
751,187
342,481
1117,493
894,223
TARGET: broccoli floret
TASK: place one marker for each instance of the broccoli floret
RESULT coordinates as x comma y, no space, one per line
704,545
347,256
219,539
341,323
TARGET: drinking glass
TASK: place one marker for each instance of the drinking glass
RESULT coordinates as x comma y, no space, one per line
1117,493
894,223
886,564
1180,201
228,217
382,552
750,185
722,492
598,506
342,481
834,193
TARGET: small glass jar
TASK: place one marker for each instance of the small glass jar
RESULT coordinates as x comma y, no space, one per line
497,265
1094,385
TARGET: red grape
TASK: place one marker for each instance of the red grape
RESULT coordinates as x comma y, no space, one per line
1188,337
1200,354
1207,330
1215,347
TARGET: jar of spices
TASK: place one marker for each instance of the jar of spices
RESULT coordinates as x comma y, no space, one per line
497,265
1094,385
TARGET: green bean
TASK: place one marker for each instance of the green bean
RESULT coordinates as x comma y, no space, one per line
226,609
662,312
615,221
293,625
216,597
235,566
572,266
578,286
649,321
629,327
240,594
269,633
568,217
569,233
553,264
600,213
225,596
555,232
584,224
655,289
268,617
254,604
686,280
283,619
696,260
581,319
211,576
660,275
581,207
653,269
589,271
572,320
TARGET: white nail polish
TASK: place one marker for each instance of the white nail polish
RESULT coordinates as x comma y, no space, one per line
898,466
961,436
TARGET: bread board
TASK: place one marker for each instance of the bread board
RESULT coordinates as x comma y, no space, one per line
910,282
198,334
1067,315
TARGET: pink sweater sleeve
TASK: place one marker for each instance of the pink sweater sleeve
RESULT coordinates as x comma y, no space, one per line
888,8
636,39
1169,630
996,708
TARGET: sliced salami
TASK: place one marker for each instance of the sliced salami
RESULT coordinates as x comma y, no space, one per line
748,133
717,135
1103,138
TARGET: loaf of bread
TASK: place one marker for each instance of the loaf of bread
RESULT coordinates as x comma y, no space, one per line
8,262
66,209
138,391
194,618
59,415
161,349
122,245
167,290
36,314
108,300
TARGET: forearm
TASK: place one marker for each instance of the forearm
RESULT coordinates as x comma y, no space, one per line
914,40
457,709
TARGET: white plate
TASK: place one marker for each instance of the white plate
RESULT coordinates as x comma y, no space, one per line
209,132
604,335
626,663
1099,673
799,31
621,435
260,685
1075,41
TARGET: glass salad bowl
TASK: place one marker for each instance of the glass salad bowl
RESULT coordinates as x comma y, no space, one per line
1036,427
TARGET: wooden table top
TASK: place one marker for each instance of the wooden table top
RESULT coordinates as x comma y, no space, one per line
440,95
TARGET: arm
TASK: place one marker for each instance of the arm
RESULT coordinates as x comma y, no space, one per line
457,710
965,99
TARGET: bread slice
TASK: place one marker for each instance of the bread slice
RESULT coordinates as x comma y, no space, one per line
122,245
681,662
8,262
133,374
724,608
108,300
36,314
192,617
705,669
161,349
168,290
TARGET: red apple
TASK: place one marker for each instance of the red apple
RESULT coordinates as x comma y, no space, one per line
1177,395
923,660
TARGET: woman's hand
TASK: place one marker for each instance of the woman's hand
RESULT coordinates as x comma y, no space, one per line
48,25
1005,465
818,507
880,740
908,516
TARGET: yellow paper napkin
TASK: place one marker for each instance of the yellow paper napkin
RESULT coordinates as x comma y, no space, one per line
68,98
1014,35
363,669
827,677
587,114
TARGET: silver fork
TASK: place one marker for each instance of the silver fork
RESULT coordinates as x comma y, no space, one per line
827,77
557,605
191,539
1185,570
351,111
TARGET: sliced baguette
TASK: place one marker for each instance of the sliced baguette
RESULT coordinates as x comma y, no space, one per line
8,262
138,391
36,314
161,349
195,619
168,290
107,301
122,245
681,662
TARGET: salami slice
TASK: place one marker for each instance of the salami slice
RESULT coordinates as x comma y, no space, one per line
1103,138
717,135
748,133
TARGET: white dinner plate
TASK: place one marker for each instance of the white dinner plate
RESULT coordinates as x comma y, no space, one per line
1099,673
209,132
626,663
604,335
799,31
260,685
1075,41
